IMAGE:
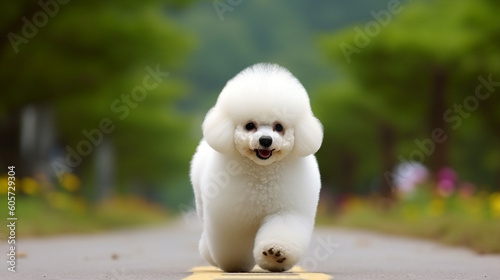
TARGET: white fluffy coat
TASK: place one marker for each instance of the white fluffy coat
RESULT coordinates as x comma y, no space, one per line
257,199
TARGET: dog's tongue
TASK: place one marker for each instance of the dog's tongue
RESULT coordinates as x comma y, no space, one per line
264,153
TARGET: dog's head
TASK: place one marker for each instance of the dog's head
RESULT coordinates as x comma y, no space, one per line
264,114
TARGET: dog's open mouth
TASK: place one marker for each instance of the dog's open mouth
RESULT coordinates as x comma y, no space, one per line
263,153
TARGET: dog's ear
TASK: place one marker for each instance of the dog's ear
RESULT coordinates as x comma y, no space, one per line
218,131
308,136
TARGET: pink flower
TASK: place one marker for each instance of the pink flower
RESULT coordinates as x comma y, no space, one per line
446,181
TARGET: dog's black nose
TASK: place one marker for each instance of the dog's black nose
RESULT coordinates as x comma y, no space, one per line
266,141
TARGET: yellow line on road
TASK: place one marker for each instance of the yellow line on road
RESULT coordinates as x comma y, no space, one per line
213,273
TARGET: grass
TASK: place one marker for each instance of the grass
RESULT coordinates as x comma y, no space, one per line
472,222
60,213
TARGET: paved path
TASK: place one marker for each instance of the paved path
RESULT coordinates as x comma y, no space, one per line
171,252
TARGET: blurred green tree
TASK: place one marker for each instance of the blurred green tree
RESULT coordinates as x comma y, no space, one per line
282,32
348,120
99,61
420,65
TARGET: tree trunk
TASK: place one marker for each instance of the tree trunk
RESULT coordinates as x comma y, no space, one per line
387,143
347,170
439,158
9,143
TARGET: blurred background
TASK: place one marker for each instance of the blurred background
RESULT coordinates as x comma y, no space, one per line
102,103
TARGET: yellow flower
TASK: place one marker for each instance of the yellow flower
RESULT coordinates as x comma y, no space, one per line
29,186
495,204
70,182
4,184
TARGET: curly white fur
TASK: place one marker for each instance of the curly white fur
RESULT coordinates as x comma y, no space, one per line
254,175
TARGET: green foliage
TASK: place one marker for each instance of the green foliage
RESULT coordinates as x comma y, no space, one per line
408,78
92,54
348,120
282,32
84,61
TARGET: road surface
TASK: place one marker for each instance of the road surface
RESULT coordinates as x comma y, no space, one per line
170,252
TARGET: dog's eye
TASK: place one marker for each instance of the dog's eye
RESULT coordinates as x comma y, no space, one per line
250,126
278,127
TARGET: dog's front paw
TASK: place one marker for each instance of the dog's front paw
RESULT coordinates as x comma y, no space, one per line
273,258
275,254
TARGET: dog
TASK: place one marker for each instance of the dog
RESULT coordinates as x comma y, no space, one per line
255,178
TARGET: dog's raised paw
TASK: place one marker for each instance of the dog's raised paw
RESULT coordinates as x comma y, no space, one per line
275,255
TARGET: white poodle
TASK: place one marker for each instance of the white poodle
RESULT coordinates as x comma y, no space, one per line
254,175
